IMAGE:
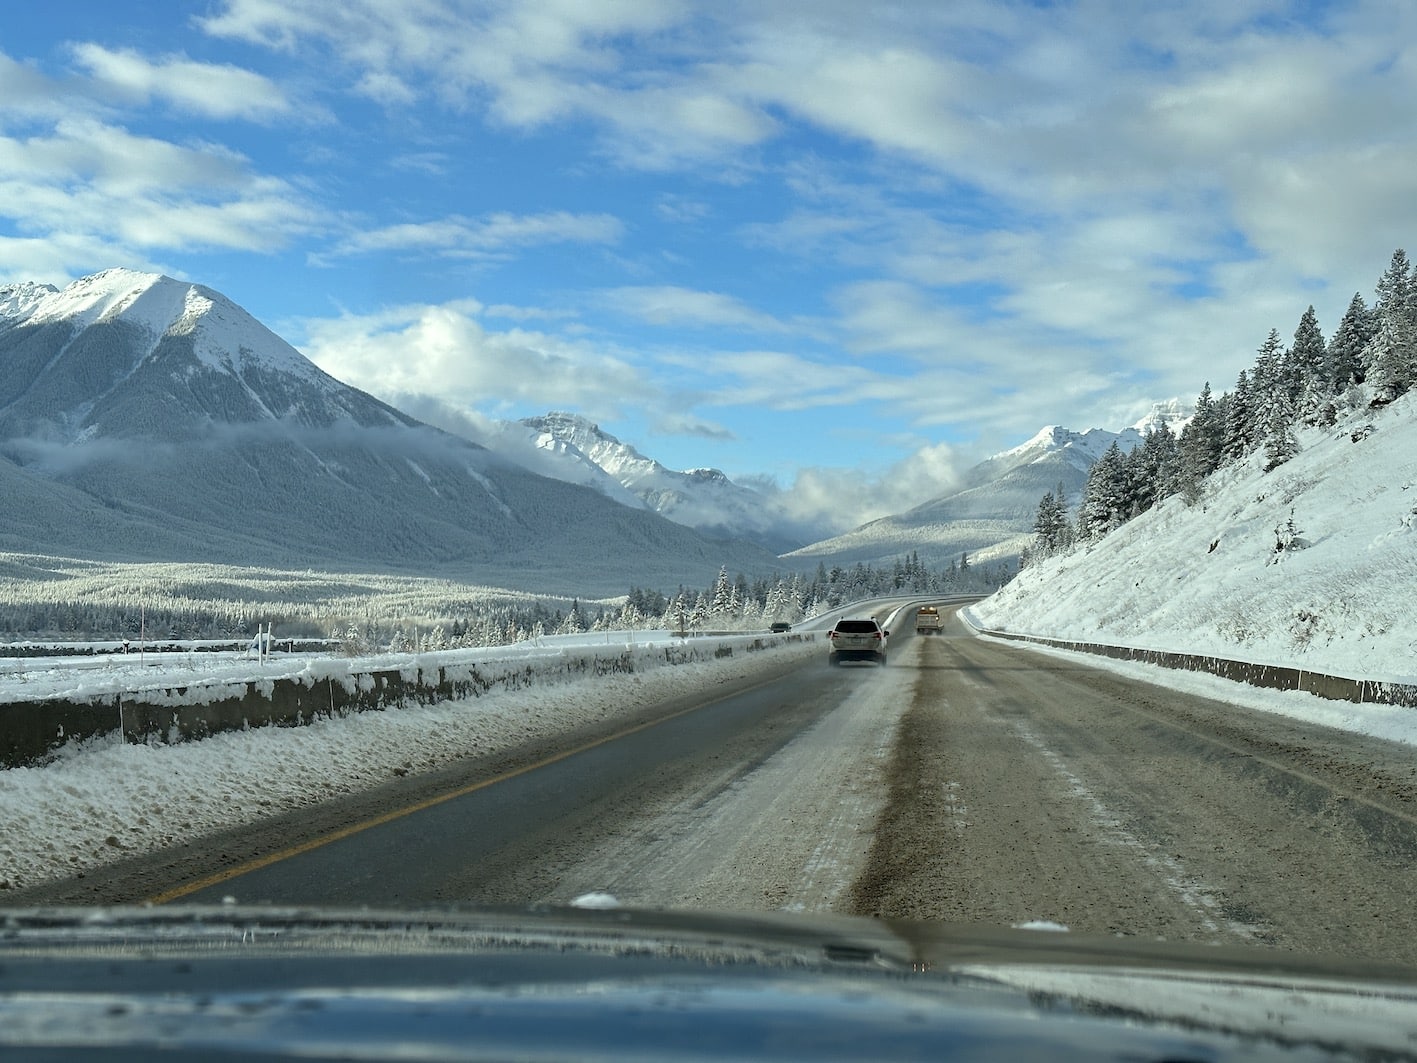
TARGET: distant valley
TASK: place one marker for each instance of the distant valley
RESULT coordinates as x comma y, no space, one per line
148,419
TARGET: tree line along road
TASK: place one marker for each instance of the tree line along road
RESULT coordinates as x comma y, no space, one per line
970,781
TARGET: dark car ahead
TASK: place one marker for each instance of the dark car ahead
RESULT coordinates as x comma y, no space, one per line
857,639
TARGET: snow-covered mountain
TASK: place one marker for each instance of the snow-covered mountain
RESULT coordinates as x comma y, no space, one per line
147,418
127,355
1310,565
990,516
577,450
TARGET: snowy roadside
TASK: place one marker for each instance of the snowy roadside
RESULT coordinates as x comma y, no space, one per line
1393,723
1310,565
104,800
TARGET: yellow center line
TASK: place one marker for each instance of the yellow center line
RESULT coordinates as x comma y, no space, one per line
257,863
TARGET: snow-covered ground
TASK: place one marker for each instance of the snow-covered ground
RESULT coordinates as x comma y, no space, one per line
104,799
1207,578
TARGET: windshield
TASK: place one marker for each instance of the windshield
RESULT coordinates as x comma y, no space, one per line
440,446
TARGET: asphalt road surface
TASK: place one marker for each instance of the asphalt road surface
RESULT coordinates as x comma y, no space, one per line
969,781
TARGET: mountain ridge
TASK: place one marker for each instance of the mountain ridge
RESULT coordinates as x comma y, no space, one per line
702,498
989,518
133,404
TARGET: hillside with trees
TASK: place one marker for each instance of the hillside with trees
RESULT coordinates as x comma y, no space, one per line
1368,362
1279,531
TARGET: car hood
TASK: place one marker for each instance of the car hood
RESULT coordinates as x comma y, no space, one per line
187,982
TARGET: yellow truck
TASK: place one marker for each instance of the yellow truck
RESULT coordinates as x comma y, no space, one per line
927,620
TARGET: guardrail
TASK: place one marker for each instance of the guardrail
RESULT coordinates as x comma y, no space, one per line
134,648
32,732
1267,676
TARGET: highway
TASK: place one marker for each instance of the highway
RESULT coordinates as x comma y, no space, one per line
969,781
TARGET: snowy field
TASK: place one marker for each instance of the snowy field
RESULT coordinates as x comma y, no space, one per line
1312,565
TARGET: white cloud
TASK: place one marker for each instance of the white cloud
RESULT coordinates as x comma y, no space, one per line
386,89
670,305
86,181
445,351
681,423
458,236
775,380
211,90
25,92
838,499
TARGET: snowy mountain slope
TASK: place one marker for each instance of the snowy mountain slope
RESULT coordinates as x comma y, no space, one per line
991,516
1208,577
561,458
120,353
206,437
577,450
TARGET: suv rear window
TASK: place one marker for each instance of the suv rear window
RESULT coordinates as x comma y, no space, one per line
858,627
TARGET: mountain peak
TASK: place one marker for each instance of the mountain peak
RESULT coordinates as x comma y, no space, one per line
573,448
1174,413
707,476
570,428
17,300
126,353
98,297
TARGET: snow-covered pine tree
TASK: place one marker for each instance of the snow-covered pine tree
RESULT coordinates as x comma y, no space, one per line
721,606
1307,367
1104,496
1268,374
1345,346
1138,482
1270,382
572,623
1048,526
1390,359
1239,421
1280,441
1065,531
1200,445
1159,460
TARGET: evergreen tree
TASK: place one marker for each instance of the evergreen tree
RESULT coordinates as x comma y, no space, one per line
1307,366
1390,358
1268,373
1271,386
1345,347
722,602
1239,421
1104,497
1200,446
572,624
1280,443
1391,362
1048,526
1155,468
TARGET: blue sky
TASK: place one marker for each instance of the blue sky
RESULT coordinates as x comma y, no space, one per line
851,248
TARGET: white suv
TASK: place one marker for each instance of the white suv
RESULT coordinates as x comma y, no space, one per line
857,639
